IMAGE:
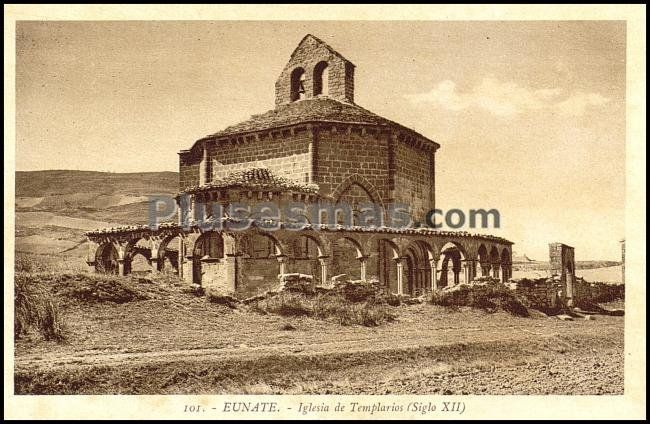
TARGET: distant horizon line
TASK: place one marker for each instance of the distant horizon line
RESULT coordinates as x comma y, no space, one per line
92,170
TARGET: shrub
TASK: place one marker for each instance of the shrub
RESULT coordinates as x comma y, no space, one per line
35,309
327,306
98,289
488,297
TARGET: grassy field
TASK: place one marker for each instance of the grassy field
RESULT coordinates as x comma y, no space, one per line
157,337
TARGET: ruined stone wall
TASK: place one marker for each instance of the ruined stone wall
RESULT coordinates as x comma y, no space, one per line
539,293
217,275
256,275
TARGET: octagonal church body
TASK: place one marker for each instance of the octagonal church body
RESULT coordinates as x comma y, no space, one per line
315,146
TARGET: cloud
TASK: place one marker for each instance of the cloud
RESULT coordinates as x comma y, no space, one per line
507,98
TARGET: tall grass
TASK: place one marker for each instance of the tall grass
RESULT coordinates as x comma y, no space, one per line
34,309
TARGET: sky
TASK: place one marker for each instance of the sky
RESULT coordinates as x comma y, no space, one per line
530,116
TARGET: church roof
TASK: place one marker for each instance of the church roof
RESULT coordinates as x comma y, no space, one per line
256,179
320,109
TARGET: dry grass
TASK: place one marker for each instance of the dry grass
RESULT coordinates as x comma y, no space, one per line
35,310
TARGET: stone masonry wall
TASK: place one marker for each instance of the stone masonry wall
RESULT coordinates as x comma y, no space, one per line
340,155
188,169
413,179
283,152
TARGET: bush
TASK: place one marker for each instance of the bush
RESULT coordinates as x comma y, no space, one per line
35,309
488,297
327,306
98,289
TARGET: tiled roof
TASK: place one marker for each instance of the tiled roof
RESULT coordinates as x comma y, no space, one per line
258,179
144,229
321,109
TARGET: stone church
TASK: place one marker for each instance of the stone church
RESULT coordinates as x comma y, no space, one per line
317,145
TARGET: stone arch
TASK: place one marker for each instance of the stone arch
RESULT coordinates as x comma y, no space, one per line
209,245
307,256
321,79
169,252
298,91
454,254
348,257
495,260
361,181
139,261
106,259
137,256
385,256
484,260
261,257
418,267
354,191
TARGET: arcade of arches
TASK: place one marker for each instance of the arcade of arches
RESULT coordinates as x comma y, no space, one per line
406,261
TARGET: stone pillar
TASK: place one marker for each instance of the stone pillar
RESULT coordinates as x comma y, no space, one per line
485,269
230,262
323,270
188,270
363,260
466,271
400,276
283,265
495,270
121,267
156,262
181,256
433,264
155,265
92,253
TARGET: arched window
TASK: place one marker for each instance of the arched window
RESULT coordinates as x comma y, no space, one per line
321,79
297,84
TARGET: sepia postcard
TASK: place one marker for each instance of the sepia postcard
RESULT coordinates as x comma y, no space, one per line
309,212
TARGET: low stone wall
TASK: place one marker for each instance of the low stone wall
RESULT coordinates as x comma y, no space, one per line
539,293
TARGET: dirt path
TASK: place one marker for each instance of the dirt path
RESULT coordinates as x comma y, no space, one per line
409,339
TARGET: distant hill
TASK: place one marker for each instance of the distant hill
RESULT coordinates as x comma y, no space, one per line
102,196
54,208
